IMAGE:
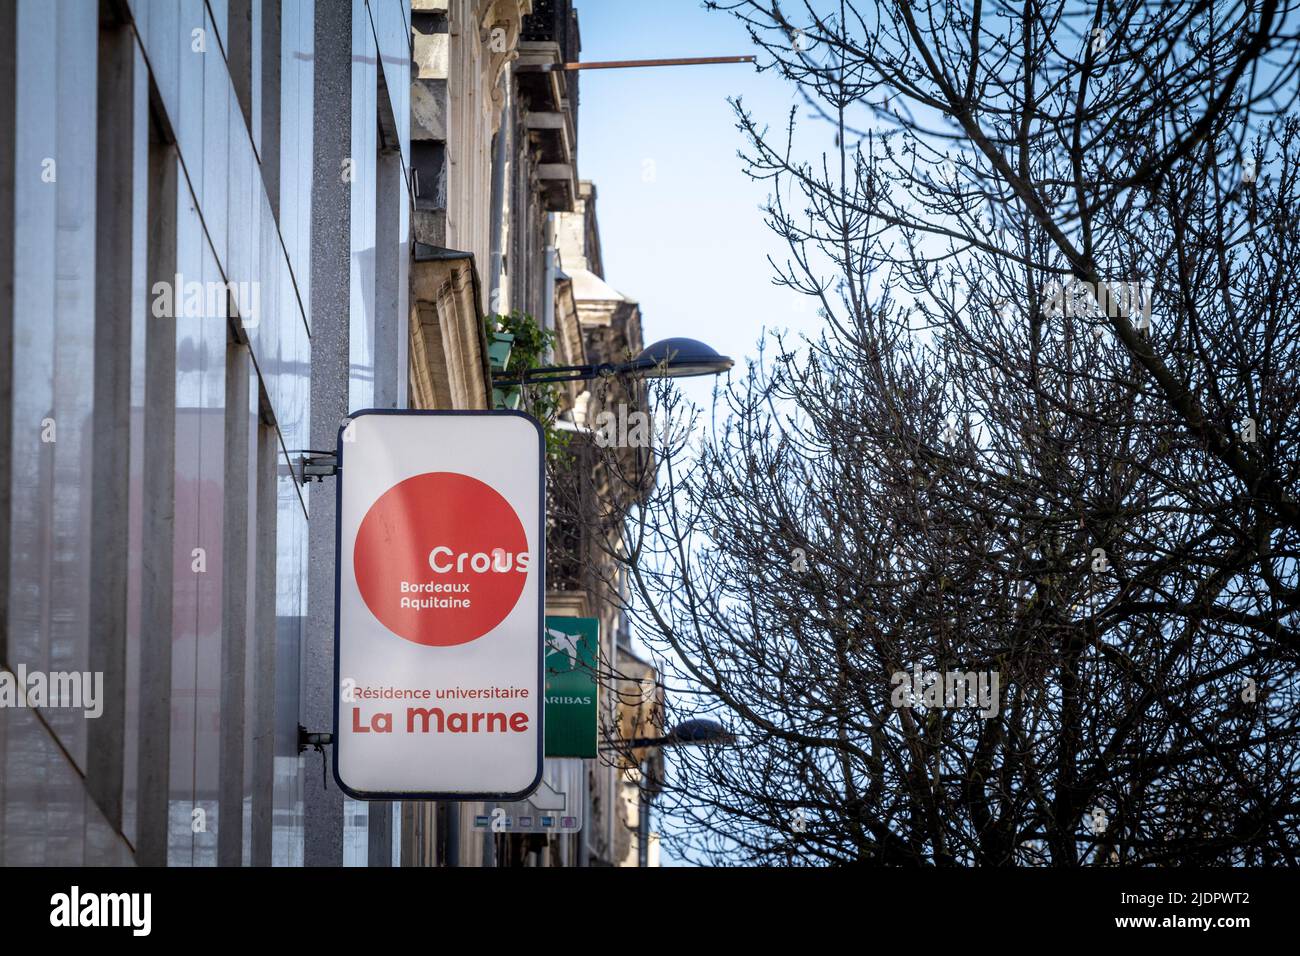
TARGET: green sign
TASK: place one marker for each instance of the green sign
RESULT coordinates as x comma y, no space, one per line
571,649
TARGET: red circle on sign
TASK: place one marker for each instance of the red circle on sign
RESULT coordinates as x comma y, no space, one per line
441,559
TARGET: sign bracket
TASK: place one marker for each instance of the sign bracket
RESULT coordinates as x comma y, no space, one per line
317,465
307,739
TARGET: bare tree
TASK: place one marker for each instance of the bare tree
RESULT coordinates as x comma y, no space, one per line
1049,435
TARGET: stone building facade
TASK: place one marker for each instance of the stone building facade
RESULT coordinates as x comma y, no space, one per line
502,223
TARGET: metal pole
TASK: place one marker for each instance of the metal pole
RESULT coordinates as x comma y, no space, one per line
453,833
632,64
643,822
503,151
548,302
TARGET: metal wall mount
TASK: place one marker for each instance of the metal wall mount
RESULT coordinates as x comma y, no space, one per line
316,465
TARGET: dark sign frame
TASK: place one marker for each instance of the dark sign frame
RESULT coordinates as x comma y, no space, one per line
541,607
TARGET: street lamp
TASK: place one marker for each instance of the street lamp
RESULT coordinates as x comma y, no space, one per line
669,358
678,358
689,733
699,732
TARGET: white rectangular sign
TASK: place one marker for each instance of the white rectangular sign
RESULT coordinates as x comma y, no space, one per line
440,601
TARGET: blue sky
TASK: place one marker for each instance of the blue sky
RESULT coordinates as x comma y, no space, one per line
681,230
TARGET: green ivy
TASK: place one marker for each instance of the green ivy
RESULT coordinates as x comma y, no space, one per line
531,345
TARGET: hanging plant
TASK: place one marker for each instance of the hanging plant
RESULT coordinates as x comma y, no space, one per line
522,344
